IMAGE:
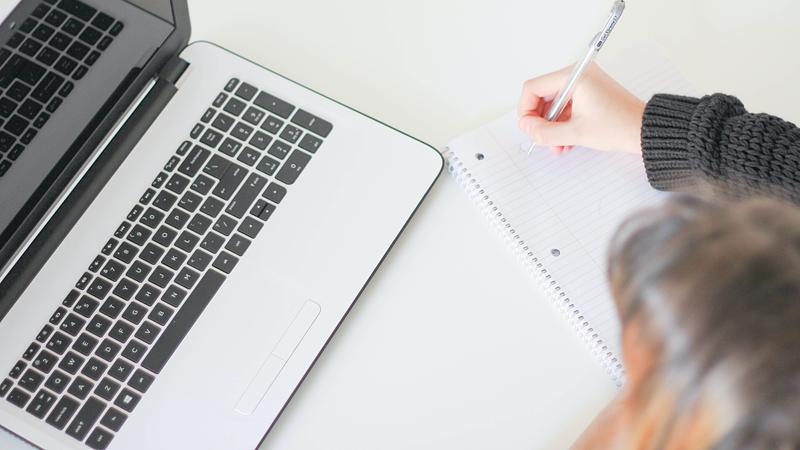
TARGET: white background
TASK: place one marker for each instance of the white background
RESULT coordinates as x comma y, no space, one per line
452,346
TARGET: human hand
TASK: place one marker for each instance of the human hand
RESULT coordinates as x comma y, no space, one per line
601,115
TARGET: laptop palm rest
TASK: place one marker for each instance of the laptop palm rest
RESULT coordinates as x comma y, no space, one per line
273,364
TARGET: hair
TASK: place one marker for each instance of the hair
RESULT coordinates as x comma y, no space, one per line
716,287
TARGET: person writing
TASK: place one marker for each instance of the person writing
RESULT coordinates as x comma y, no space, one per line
707,290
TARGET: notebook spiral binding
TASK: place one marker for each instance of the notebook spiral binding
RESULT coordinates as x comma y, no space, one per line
560,299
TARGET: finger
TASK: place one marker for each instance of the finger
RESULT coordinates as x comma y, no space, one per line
549,134
537,89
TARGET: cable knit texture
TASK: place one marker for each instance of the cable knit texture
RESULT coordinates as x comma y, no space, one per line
687,140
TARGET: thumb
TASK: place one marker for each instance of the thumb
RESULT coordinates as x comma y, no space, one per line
549,134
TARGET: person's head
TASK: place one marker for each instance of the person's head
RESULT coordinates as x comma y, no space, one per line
709,297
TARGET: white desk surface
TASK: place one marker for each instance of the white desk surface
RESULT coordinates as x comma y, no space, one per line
452,346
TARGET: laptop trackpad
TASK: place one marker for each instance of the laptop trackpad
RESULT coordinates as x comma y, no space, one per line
272,366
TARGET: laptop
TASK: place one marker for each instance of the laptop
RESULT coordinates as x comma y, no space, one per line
181,230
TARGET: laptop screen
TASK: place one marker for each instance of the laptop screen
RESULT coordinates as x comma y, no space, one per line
61,61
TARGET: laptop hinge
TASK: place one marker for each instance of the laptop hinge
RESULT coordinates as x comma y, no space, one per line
173,69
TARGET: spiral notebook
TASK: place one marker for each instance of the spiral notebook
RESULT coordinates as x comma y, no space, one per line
558,212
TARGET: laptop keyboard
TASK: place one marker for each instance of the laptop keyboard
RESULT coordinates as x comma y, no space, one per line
89,367
47,53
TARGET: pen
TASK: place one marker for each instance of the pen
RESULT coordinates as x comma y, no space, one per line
564,96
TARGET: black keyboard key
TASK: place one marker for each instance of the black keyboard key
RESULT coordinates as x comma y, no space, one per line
78,9
134,351
15,40
177,219
141,381
94,369
16,125
220,100
293,167
211,138
43,32
242,131
18,397
66,65
230,147
165,201
212,207
172,164
80,73
63,411
103,21
199,224
112,307
291,134
216,166
125,289
98,326
225,262
85,344
107,389
71,363
26,139
200,260
275,193
55,18
92,58
40,11
99,439
194,162
243,200
59,343
231,85
55,319
260,140
45,361
10,69
5,386
127,400
279,149
60,41
164,236
99,288
250,227
235,107
225,225
237,244
185,318
147,196
30,47
253,116
57,381
272,125
113,419
48,87
80,387
28,25
48,56
126,252
187,278
173,296
121,370
6,141
108,350
196,131
174,260
112,270
246,91
73,324
7,107
138,271
84,281
249,156
312,123
177,183
105,42
41,404
148,294
86,417
116,28
86,306
223,122
18,91
187,241
152,217
96,264
160,314
78,50
190,201
230,181
121,331
111,244
53,105
31,351
30,380
152,253
267,165
208,115
148,332
212,242
134,313
310,143
274,105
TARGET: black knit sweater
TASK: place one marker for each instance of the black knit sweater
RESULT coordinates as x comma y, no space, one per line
686,140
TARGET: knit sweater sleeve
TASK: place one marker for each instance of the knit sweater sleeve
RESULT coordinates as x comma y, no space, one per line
714,138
